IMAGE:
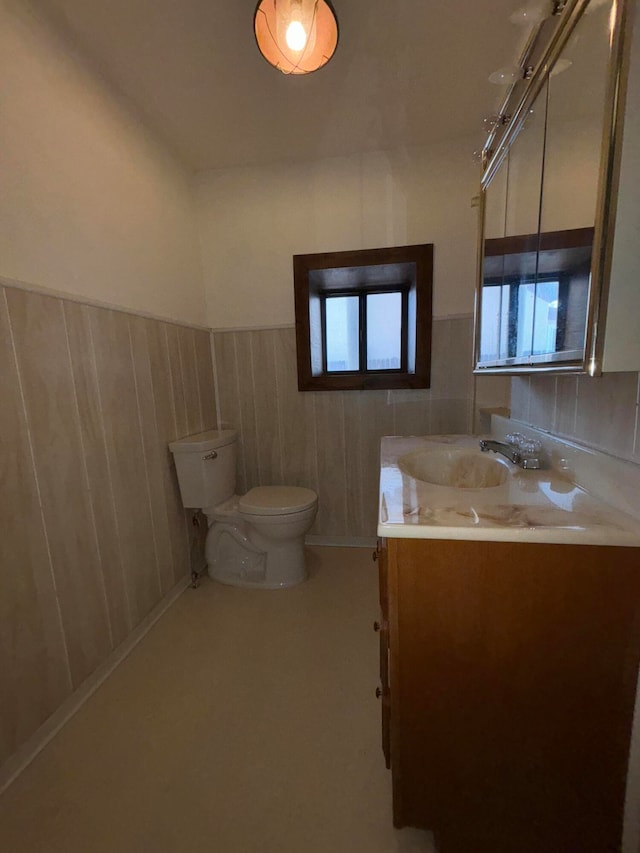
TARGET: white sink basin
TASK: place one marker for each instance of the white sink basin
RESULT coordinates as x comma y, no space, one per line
458,469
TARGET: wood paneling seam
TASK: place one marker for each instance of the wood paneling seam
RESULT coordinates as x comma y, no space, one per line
257,445
94,365
87,481
37,484
197,374
214,367
173,401
145,461
240,426
278,410
315,441
636,433
345,495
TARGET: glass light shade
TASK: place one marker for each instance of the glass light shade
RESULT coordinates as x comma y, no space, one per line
296,36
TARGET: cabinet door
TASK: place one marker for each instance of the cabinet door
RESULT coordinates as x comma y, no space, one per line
514,692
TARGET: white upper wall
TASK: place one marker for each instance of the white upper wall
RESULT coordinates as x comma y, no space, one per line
89,204
254,219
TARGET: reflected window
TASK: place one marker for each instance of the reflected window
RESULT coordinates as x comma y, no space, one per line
520,320
535,297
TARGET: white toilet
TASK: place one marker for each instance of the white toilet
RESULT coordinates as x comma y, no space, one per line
254,540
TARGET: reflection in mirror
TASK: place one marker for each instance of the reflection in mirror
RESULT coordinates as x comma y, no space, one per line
575,119
495,203
533,299
512,214
540,211
525,169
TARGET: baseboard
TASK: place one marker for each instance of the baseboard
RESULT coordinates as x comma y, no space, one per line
342,541
14,766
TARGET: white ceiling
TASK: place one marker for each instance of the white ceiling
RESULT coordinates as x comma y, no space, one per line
406,73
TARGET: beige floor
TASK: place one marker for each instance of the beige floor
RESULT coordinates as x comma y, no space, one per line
245,722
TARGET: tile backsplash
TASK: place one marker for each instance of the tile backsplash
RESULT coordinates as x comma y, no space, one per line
93,530
601,412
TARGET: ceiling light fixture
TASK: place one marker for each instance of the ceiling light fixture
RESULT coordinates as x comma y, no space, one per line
296,36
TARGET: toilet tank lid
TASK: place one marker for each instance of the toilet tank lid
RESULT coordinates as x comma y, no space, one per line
207,440
276,500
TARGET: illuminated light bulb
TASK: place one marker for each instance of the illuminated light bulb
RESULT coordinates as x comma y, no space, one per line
296,36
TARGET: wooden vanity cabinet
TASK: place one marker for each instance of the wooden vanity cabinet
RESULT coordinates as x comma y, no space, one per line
508,686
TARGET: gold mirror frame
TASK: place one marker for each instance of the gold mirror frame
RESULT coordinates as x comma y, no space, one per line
541,52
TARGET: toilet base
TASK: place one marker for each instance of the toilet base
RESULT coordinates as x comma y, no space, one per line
231,579
235,559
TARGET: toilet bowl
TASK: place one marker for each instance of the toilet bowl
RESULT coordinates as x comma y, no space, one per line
253,540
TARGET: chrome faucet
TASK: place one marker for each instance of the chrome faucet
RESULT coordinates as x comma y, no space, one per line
527,453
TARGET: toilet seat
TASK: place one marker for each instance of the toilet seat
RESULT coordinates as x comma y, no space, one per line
276,500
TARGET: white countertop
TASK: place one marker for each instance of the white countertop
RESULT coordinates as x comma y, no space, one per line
530,506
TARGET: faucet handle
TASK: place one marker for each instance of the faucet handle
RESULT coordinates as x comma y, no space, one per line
531,450
515,439
530,446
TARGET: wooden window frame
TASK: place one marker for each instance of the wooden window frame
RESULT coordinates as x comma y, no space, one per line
357,273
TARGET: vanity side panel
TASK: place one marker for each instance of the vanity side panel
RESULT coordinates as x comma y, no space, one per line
622,340
515,669
389,596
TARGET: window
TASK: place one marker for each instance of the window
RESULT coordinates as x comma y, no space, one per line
521,318
364,333
363,318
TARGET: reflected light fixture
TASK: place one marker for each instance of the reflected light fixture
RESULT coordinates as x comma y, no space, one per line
531,14
559,66
296,36
505,76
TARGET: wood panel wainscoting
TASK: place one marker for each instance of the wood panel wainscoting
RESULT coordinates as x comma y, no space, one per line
94,533
508,685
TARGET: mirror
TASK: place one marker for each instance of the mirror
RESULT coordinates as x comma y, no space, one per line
540,205
509,269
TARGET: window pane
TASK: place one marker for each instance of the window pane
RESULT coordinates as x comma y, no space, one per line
545,324
491,317
526,307
505,313
342,333
384,328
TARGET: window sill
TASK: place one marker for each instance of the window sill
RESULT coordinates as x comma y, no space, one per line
363,382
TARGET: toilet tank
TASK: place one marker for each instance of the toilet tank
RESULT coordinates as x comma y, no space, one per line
206,466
